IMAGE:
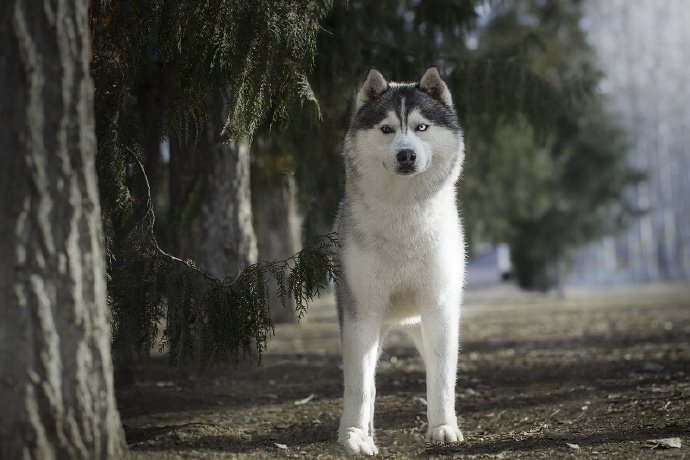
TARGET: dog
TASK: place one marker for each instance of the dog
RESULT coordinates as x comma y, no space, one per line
402,250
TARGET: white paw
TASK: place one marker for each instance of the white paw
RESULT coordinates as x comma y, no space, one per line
356,441
444,433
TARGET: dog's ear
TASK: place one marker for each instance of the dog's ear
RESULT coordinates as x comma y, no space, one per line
432,84
372,88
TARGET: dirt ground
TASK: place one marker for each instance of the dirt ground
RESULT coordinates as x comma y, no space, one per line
603,371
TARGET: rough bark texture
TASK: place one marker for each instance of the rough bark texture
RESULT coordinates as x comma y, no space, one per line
279,231
211,200
56,387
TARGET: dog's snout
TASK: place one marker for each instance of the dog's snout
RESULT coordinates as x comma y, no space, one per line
406,157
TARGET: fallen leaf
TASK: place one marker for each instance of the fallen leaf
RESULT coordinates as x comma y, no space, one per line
305,400
666,443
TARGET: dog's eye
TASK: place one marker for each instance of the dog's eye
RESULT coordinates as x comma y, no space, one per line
385,129
421,127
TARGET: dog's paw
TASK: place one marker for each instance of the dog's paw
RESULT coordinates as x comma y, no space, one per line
445,433
356,441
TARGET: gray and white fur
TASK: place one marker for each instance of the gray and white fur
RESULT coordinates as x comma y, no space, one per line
402,249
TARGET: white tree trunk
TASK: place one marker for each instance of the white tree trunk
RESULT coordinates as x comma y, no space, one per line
56,389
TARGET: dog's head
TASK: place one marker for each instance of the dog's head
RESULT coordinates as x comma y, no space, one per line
408,129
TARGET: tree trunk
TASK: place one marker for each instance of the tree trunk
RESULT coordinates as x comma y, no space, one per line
56,388
210,199
534,267
279,230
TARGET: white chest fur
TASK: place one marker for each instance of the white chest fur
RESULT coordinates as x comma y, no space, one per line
406,257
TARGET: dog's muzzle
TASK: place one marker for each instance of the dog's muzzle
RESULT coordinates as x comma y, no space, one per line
406,161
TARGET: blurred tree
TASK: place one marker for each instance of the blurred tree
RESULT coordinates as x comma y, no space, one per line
278,229
210,198
56,384
568,188
176,55
209,217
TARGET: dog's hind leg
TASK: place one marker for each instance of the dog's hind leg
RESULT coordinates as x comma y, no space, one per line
361,339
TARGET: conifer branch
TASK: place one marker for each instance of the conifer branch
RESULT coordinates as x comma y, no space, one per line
152,222
202,315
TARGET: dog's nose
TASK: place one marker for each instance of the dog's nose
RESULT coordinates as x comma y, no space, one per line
406,157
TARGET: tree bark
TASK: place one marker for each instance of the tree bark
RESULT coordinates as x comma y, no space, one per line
56,388
280,236
210,199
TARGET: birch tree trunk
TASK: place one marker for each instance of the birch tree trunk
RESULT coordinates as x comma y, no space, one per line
56,388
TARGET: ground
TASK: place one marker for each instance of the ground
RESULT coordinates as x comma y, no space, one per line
603,371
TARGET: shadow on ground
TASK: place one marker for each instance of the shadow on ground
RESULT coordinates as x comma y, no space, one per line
532,379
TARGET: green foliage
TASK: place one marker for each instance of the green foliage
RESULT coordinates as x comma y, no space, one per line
209,320
547,194
219,320
259,54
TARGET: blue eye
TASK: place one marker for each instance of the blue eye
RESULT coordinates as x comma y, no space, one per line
385,129
421,127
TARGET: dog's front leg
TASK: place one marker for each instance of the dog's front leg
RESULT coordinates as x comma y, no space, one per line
440,330
360,352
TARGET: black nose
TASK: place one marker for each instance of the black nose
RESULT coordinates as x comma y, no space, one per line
406,157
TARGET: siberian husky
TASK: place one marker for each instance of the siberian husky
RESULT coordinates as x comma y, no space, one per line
402,250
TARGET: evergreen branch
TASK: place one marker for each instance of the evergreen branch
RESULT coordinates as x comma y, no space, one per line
209,320
198,313
152,222
325,242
